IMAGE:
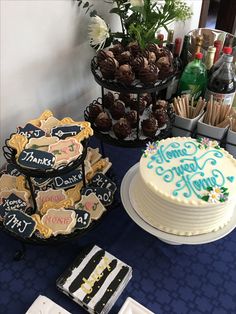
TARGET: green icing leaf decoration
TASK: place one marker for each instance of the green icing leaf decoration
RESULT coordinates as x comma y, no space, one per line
205,198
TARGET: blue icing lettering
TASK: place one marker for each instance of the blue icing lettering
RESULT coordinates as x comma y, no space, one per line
188,184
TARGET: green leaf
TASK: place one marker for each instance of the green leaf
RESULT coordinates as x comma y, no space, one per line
93,13
205,198
209,188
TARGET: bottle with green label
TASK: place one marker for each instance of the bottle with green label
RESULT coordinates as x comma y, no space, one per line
193,80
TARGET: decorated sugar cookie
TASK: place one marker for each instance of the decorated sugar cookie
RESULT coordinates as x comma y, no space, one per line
48,124
12,170
21,194
65,151
93,155
41,143
83,219
12,202
64,131
74,192
69,179
62,204
17,142
44,116
36,159
103,165
30,131
86,130
102,181
91,204
8,182
20,223
103,194
45,231
60,221
51,195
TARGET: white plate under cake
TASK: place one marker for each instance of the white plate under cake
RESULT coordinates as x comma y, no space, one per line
185,186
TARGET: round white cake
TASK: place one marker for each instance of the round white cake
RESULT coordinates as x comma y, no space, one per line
185,186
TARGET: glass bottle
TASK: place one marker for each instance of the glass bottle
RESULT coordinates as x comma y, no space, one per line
198,44
222,84
209,60
194,78
218,46
184,56
170,40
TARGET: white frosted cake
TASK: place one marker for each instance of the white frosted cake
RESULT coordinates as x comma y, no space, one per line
185,186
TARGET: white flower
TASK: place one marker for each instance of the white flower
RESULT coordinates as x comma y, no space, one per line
216,190
213,197
137,3
98,32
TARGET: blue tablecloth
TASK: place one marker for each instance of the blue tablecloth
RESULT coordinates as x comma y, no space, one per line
166,279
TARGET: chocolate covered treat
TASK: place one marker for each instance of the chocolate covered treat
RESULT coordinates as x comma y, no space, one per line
148,98
138,64
149,55
164,64
125,58
104,54
149,127
117,109
108,68
126,98
94,110
103,122
161,116
132,118
122,128
134,48
108,100
149,74
117,49
160,104
125,74
134,105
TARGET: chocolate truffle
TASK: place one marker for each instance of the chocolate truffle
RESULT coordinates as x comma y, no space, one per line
161,116
126,98
132,118
108,100
94,110
104,54
149,74
108,68
160,104
148,98
117,109
134,48
125,74
103,122
134,105
122,128
125,58
149,127
165,66
117,49
138,64
149,55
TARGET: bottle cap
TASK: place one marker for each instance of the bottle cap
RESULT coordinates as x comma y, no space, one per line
211,49
198,55
227,50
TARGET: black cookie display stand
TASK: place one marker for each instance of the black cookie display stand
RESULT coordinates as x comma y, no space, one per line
137,88
10,155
